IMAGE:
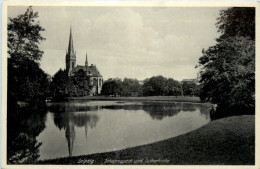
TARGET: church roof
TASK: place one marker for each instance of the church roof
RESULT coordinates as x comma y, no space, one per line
91,70
78,67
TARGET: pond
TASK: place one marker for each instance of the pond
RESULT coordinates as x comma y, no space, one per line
80,128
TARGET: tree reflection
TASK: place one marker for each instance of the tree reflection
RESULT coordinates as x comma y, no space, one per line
70,107
158,110
66,118
23,126
191,107
205,111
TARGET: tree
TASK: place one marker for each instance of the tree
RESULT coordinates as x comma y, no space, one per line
155,86
227,74
60,85
106,89
112,87
131,87
147,88
190,89
237,22
63,85
80,84
161,86
26,81
173,88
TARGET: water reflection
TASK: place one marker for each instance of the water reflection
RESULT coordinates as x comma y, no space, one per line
67,116
78,128
160,110
23,126
68,120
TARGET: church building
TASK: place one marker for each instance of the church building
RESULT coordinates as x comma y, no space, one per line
92,71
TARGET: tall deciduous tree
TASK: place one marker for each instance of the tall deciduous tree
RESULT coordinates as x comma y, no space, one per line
24,36
228,69
26,81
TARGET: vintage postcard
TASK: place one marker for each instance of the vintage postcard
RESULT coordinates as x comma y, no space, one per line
130,84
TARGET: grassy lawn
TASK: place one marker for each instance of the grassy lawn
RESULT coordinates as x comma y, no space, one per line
148,98
227,141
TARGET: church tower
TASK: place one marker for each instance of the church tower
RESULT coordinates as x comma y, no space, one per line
86,62
70,55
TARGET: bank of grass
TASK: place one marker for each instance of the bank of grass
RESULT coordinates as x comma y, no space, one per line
147,98
227,141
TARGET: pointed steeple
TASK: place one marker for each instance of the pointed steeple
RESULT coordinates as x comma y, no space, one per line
70,55
70,47
86,62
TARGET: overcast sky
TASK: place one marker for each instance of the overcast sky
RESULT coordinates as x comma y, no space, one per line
133,42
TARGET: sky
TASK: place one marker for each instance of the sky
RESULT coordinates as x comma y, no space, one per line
131,42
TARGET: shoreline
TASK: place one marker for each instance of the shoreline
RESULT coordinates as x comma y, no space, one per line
234,145
190,99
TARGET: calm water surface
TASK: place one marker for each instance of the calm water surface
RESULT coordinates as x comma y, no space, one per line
79,128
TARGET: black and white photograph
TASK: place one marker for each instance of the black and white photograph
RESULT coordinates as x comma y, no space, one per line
128,85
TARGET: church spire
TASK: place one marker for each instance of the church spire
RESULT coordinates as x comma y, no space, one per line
70,55
70,47
86,62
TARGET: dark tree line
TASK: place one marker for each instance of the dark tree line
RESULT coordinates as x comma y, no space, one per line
154,86
117,87
228,68
161,86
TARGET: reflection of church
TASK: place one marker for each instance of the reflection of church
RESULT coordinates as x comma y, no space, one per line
70,134
80,120
92,71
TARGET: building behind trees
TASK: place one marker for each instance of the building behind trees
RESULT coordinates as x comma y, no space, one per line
92,71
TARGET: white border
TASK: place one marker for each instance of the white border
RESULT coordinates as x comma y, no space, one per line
123,3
